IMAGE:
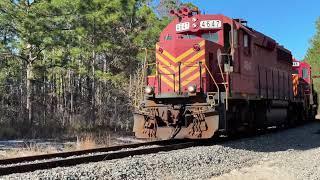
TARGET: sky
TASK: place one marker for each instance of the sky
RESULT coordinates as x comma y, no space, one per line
290,22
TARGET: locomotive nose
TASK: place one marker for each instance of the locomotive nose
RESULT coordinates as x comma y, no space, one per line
180,66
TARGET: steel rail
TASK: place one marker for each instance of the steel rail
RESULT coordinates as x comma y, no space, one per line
23,168
81,152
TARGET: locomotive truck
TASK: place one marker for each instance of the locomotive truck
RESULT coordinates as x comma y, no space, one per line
215,75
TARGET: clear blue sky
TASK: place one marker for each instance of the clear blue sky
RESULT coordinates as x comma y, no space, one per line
289,22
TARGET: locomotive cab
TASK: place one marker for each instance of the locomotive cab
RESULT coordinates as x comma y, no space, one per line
303,86
190,45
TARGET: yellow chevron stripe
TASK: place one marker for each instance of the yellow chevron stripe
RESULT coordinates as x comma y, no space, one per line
187,63
167,81
192,78
189,70
191,64
201,43
187,53
295,84
184,73
183,55
164,70
168,55
193,59
160,58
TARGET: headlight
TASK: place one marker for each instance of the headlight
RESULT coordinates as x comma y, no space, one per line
148,90
192,89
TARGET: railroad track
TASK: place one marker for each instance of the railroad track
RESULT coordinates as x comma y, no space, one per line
65,159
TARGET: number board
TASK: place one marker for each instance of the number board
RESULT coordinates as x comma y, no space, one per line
295,64
210,24
183,26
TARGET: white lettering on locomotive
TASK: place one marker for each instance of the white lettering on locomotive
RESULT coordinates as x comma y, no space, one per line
210,24
295,64
183,26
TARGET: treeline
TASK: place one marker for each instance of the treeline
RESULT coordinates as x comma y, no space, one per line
313,57
70,66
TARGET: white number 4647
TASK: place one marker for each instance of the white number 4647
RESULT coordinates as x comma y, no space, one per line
209,24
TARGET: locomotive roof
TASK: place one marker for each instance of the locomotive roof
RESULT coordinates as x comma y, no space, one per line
260,38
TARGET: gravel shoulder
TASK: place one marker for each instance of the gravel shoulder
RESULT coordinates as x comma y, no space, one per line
289,154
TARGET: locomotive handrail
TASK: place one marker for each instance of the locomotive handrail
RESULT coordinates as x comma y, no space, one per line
192,65
159,80
151,64
220,69
213,81
225,83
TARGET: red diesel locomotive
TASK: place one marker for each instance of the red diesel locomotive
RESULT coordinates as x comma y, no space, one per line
215,75
303,87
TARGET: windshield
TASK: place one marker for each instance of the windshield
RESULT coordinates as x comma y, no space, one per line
210,36
189,36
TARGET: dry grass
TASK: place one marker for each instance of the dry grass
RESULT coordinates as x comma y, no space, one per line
83,142
87,142
30,150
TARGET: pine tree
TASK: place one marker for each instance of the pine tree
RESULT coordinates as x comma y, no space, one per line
313,57
70,62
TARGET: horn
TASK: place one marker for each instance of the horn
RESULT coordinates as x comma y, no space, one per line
186,11
172,12
180,12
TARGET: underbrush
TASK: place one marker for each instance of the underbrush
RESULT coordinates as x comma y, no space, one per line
81,142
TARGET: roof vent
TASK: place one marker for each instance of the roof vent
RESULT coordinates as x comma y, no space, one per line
242,21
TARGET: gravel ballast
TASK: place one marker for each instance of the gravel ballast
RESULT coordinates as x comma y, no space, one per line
84,155
289,154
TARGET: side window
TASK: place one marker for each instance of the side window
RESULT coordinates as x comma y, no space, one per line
168,37
210,37
295,71
235,37
227,37
246,44
245,40
305,73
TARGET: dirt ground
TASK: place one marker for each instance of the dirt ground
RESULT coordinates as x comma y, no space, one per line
265,171
288,164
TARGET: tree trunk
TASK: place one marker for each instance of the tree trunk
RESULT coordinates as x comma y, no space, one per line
29,92
93,88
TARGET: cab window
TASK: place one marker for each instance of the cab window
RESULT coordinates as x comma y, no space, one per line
305,73
245,40
295,72
227,37
168,37
235,33
210,36
246,44
189,36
